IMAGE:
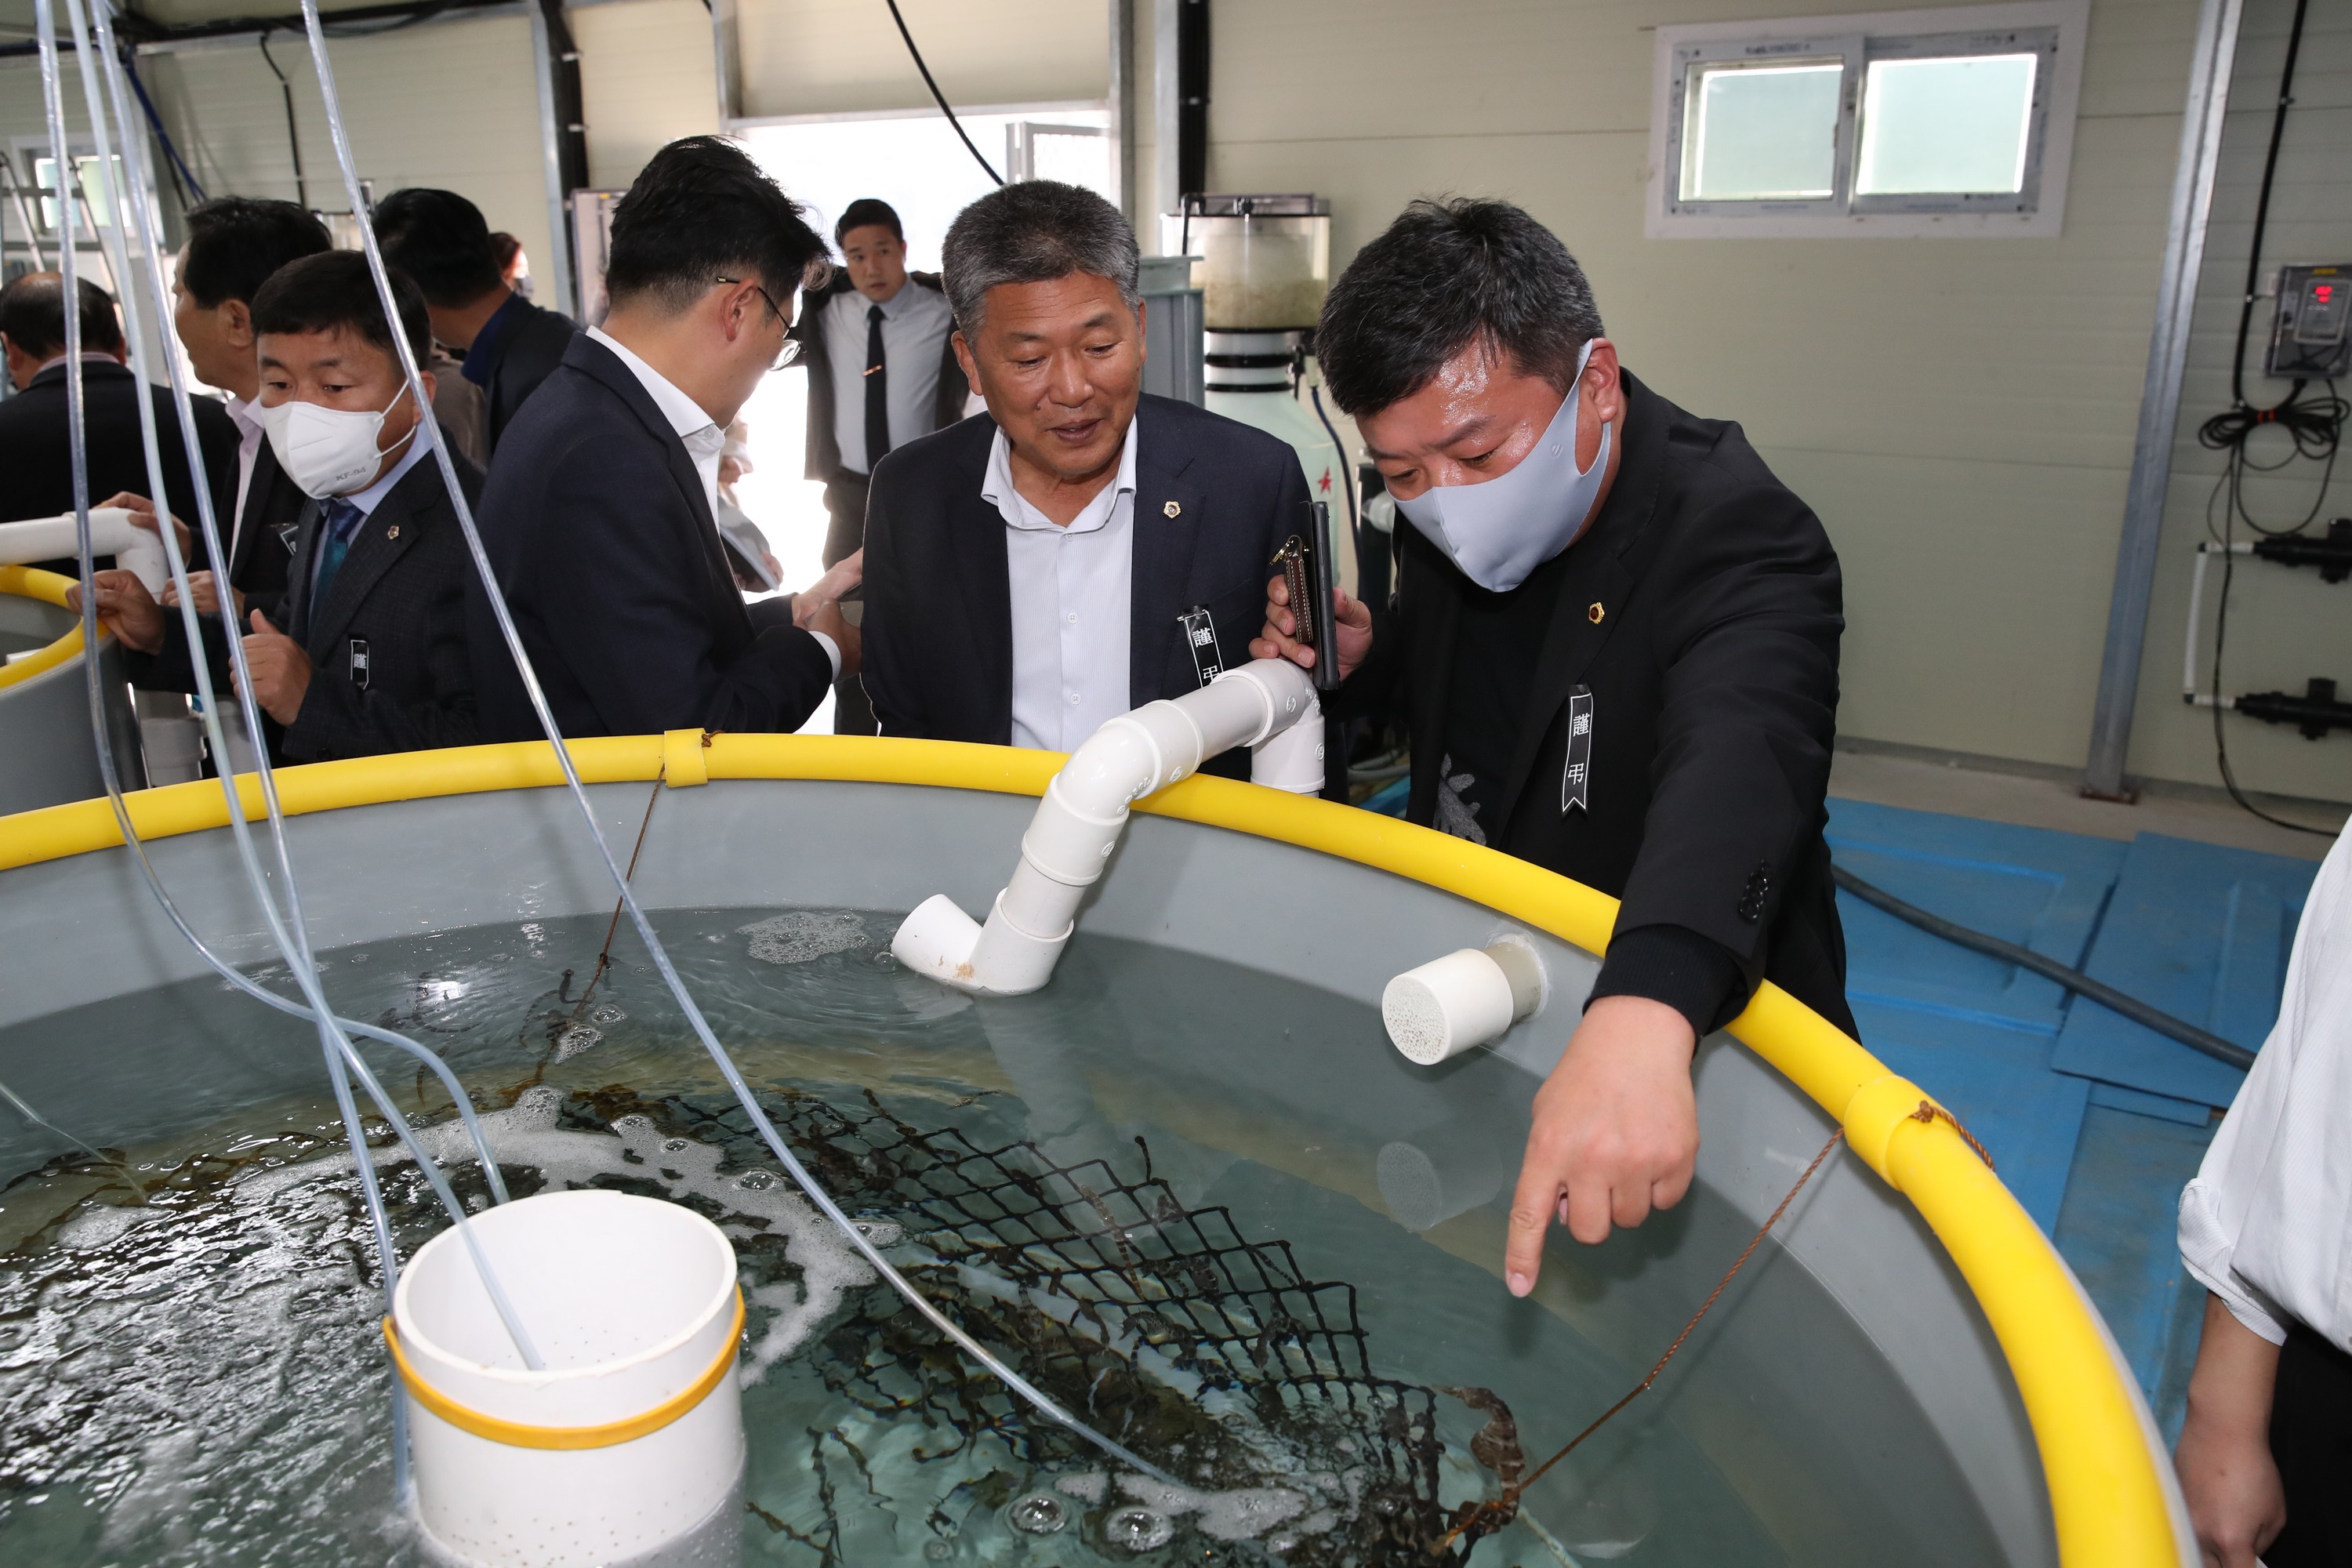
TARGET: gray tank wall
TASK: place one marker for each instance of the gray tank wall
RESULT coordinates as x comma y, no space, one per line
46,757
83,928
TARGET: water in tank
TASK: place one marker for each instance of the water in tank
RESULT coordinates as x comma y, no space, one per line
1266,261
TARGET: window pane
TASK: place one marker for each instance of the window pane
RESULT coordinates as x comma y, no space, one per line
1760,132
1945,127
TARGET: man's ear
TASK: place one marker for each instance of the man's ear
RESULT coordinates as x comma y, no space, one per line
970,366
1602,378
237,322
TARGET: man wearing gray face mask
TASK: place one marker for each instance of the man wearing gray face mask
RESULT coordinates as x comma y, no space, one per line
1615,640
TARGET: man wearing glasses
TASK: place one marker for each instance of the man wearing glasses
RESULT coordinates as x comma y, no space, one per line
599,513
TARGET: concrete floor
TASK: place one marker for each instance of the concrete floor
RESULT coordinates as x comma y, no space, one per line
1992,789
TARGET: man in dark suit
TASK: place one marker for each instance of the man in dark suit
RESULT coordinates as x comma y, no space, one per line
878,343
1026,570
35,460
1615,641
235,244
507,344
367,652
599,515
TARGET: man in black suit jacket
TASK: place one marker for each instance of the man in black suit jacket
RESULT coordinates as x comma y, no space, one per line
1615,641
235,244
36,461
599,510
367,652
1025,570
507,344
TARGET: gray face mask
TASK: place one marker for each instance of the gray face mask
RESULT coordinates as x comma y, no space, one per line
1500,530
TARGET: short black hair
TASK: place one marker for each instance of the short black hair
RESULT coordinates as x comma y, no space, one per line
32,316
442,241
1447,274
866,211
1035,231
235,243
322,293
702,210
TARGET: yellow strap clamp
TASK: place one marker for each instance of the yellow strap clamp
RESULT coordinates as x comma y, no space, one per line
515,1435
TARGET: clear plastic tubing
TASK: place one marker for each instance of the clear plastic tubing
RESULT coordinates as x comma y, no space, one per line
1036,1398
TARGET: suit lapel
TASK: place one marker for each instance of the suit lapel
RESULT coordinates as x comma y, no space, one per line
383,537
1595,593
734,623
983,577
1170,517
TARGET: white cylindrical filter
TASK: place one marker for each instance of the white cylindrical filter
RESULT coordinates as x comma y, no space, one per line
1463,1000
628,1448
1443,1171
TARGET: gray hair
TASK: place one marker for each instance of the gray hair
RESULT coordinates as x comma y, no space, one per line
1034,232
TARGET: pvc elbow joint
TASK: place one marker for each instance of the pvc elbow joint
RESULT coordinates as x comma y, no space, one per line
1464,1000
1079,821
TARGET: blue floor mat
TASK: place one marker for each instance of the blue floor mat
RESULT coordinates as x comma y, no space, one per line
2115,1230
1997,1080
2203,933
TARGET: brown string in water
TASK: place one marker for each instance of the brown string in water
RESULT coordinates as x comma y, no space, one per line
1508,1504
605,957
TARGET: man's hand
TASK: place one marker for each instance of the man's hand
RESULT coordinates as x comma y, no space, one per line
2228,1479
281,670
1352,618
824,616
1615,1134
126,608
203,589
143,515
845,574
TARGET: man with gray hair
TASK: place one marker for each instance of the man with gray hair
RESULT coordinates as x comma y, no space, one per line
1030,571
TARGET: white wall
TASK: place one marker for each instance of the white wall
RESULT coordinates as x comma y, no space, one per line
2285,626
646,80
838,57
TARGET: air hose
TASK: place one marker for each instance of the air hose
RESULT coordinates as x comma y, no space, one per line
2073,980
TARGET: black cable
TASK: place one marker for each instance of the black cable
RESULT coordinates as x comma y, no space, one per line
1347,469
293,136
2263,206
186,176
2073,980
2220,640
937,96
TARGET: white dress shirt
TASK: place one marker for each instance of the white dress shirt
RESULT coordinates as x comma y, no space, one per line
248,449
1072,590
701,434
2267,1224
915,321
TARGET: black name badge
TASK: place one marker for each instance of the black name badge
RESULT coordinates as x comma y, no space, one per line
359,664
1576,778
1201,639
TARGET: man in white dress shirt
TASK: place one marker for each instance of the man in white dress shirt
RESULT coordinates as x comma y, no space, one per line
600,516
1031,574
2265,1454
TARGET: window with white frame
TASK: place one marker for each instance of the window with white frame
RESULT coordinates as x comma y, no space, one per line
1904,122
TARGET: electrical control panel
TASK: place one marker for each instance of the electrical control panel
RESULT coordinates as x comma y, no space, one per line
2311,333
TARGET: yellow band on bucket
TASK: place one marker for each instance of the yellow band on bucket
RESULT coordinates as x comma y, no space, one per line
515,1435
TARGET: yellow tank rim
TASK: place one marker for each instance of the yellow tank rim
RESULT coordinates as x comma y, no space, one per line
26,583
2100,1460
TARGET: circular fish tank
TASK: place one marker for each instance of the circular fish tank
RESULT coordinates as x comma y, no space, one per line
1188,1189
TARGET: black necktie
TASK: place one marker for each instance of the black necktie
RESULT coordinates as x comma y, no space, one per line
877,391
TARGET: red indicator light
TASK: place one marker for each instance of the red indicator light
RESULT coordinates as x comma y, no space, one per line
2322,292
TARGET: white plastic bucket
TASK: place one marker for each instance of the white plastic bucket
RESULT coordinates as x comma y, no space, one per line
633,1305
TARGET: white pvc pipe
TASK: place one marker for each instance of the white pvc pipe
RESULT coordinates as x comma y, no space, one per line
633,1301
1268,705
1464,1000
111,533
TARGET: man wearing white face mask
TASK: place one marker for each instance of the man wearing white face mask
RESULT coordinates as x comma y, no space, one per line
366,652
1615,640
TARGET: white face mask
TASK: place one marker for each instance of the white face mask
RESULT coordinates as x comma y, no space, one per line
1500,530
328,451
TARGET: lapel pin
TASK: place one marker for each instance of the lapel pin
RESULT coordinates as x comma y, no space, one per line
1595,613
394,533
1172,509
